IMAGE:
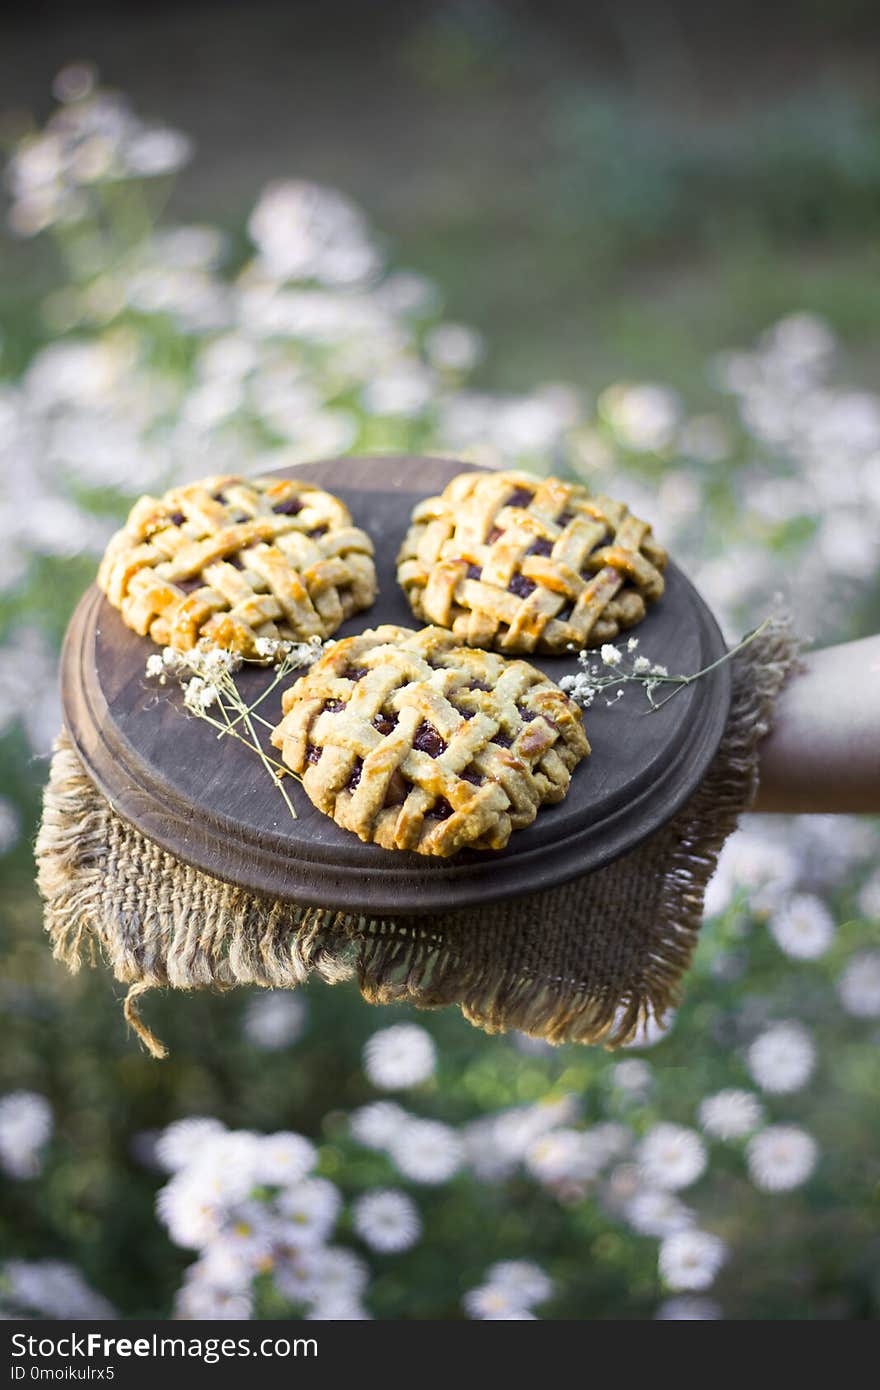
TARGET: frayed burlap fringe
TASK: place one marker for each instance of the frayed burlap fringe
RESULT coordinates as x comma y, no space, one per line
589,961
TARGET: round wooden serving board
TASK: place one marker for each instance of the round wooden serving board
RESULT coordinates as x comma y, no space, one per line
210,802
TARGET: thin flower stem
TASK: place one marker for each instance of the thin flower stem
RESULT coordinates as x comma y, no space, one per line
682,681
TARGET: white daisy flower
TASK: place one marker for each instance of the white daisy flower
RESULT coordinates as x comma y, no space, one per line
781,1157
493,1303
454,347
859,985
400,1056
182,1142
869,896
564,1155
25,1126
731,1114
225,1264
274,1019
803,927
310,1209
655,1213
203,1302
523,1280
283,1158
337,1273
688,1310
339,1309
782,1058
387,1219
427,1151
376,1125
54,1289
633,1077
192,1217
691,1259
671,1157
228,1165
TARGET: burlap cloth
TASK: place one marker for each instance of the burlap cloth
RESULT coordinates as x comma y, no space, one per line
589,961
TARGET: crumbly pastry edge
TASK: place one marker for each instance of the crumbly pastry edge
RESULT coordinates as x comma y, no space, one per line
434,586
531,769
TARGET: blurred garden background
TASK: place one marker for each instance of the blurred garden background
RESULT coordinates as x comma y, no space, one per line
635,244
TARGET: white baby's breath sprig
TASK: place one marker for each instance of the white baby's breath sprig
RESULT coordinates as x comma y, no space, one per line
620,668
205,675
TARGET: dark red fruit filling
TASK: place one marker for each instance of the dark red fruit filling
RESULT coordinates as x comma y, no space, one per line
526,715
176,519
541,547
565,518
474,572
441,810
188,585
288,508
355,673
334,706
313,753
495,534
385,723
502,739
520,586
239,517
520,498
478,685
565,613
427,740
397,790
471,775
318,531
235,562
355,777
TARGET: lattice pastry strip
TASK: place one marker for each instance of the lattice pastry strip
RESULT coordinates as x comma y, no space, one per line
231,560
414,742
519,563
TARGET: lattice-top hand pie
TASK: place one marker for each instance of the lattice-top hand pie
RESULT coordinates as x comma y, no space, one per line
415,742
231,560
526,564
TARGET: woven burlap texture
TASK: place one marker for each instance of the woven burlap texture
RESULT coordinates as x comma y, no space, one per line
589,961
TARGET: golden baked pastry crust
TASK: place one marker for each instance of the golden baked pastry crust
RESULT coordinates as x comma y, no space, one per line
231,560
523,564
414,742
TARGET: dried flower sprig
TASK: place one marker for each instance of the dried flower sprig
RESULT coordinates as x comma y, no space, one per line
206,677
624,667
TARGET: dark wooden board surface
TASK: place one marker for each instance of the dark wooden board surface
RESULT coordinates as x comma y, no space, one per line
210,802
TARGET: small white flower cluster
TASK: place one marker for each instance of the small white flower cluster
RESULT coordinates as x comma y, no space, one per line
424,1151
25,1126
93,139
250,1205
50,1289
625,668
512,1288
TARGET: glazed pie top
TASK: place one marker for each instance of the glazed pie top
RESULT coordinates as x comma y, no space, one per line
524,563
414,742
231,560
